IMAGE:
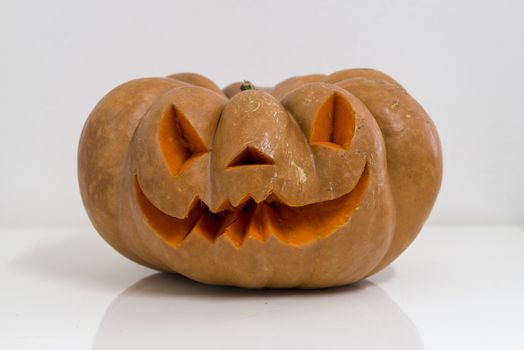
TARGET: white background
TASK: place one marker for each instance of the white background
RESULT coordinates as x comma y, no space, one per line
455,288
462,60
68,290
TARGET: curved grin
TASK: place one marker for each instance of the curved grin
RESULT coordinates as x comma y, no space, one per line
293,225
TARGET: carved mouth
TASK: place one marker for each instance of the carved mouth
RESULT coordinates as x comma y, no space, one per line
292,225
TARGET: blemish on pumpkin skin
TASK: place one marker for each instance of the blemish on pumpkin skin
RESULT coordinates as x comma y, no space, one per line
307,100
258,104
395,105
302,177
266,144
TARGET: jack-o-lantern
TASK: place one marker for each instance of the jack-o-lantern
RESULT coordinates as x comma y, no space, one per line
318,182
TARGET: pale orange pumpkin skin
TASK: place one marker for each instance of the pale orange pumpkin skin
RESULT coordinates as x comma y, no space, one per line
320,181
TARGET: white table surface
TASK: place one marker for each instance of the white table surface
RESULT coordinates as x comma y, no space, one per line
454,288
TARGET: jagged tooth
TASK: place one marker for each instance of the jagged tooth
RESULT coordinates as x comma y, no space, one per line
235,225
225,237
225,205
227,221
235,233
270,225
254,227
195,204
207,226
242,201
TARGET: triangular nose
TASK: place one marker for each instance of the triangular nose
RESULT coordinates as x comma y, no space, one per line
251,156
258,149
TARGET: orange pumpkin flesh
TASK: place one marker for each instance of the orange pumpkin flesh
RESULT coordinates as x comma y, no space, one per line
294,225
283,187
179,142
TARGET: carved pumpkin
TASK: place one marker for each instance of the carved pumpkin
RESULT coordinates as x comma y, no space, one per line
318,182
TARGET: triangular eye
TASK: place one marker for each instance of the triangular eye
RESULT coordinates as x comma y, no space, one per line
335,123
179,141
251,156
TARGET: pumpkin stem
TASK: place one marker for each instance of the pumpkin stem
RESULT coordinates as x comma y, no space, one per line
247,85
